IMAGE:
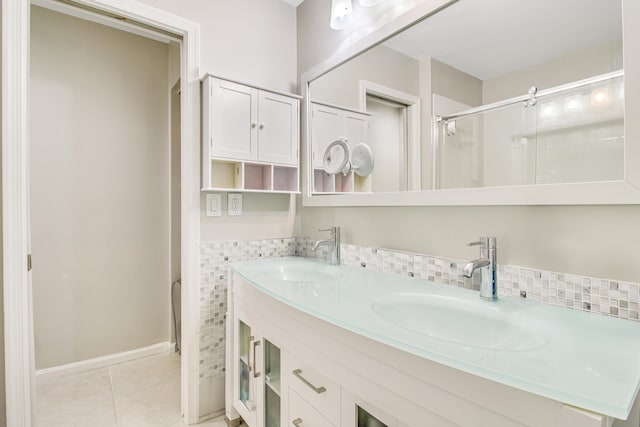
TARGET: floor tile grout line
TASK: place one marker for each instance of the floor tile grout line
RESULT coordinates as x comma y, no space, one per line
113,397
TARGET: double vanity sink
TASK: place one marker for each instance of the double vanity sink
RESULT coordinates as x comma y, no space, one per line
576,358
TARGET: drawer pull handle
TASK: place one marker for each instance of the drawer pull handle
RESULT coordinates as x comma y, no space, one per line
298,374
256,374
297,422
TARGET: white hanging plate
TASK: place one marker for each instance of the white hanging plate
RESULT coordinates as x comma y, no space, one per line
362,159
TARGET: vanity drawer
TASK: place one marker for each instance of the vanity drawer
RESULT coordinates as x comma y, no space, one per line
314,387
302,414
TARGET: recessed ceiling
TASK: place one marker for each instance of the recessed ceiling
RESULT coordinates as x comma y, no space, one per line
294,3
489,38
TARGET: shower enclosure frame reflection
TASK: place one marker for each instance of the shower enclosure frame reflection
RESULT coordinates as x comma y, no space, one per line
529,100
626,191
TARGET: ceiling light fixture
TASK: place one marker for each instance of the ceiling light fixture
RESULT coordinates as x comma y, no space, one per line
341,14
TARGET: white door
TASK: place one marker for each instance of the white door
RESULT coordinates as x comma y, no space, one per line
278,128
388,141
234,121
325,128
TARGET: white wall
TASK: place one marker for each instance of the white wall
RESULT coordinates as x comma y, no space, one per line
253,41
600,241
100,189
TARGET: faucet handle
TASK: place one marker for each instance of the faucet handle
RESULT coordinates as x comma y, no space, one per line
485,242
333,230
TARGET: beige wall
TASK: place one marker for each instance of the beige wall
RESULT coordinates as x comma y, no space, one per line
100,189
601,241
341,86
455,84
580,65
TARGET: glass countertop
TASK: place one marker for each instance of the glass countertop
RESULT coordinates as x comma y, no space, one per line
578,358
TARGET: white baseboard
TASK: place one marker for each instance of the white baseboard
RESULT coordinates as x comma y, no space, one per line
104,361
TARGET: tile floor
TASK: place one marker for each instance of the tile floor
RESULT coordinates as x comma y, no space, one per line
144,392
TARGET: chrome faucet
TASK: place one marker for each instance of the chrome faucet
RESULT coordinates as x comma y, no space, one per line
334,241
488,267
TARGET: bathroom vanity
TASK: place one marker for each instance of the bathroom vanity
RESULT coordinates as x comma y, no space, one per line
311,344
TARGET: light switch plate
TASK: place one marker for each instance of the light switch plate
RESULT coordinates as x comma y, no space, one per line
214,204
234,204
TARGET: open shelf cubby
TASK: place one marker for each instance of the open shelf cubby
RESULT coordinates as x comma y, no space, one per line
344,183
257,177
285,178
322,182
226,174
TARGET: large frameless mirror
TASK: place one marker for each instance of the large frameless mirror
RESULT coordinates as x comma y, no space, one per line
480,94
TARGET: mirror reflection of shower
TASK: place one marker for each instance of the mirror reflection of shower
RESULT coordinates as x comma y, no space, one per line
564,134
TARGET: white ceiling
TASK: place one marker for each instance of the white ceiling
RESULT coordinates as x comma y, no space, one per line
489,38
293,3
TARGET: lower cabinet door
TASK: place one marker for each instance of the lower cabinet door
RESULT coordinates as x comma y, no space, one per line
302,414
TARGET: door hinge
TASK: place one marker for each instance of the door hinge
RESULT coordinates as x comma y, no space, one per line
29,265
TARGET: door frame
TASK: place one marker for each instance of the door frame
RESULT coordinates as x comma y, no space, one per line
18,320
413,125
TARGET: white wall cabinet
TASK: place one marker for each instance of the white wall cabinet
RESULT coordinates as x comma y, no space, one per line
331,377
250,138
329,124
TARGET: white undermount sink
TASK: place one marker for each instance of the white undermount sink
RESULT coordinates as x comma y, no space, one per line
467,322
293,270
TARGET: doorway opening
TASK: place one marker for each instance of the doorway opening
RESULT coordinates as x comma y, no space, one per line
394,137
17,287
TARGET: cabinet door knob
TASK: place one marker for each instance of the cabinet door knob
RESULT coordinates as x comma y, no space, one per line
261,125
297,422
254,125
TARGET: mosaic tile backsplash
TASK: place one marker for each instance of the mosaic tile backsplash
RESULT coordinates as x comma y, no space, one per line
608,297
214,271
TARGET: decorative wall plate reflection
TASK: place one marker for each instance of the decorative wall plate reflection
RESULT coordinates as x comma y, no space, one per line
336,158
362,160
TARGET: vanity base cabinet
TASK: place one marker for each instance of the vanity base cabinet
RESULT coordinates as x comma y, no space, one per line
302,414
334,377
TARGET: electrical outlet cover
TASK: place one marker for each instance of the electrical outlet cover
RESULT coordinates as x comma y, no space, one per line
234,204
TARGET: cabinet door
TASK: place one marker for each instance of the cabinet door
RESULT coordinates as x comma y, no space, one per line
356,127
234,121
278,128
244,371
271,362
325,128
